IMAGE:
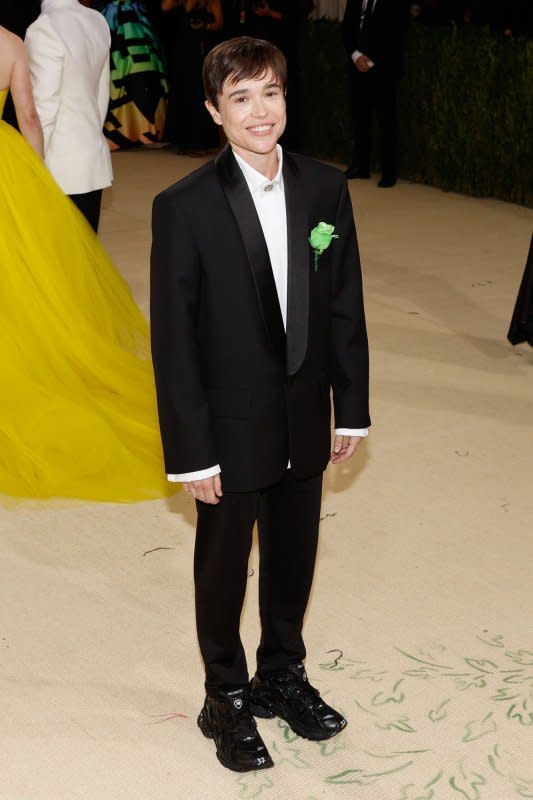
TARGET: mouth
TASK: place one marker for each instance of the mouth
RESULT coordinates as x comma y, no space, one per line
261,129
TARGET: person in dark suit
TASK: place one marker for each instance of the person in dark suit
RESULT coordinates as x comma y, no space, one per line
251,328
374,35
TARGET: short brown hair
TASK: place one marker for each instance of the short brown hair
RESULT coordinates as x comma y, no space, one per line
239,59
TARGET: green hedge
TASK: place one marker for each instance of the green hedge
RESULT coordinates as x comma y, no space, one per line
465,108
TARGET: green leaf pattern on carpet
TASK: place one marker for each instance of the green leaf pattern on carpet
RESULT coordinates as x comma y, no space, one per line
426,724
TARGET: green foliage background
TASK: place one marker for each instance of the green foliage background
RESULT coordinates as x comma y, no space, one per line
465,108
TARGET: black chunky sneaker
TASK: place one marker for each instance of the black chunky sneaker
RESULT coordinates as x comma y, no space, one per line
226,719
288,694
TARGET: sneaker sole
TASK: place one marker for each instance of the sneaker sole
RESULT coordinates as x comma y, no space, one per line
207,732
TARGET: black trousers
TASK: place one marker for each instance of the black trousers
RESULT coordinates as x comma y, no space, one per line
372,93
89,204
288,516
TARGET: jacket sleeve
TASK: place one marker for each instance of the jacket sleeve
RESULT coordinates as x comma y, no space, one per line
46,56
174,306
350,28
348,339
104,86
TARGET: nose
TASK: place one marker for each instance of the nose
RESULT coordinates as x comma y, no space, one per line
259,108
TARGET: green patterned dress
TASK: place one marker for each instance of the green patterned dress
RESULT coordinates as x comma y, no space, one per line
139,87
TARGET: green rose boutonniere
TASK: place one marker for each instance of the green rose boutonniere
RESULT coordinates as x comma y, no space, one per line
320,239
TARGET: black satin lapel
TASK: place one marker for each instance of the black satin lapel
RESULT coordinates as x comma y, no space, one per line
242,205
299,266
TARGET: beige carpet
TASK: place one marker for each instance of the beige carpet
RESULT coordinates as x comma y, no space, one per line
420,627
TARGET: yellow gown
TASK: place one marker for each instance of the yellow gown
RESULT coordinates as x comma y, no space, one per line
78,412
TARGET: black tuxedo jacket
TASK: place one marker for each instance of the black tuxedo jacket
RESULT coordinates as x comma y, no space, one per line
382,37
233,388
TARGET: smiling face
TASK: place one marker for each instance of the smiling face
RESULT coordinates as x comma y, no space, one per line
252,113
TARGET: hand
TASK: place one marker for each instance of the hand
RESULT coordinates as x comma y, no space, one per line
209,490
363,63
343,448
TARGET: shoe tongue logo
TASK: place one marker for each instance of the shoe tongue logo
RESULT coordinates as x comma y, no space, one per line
236,699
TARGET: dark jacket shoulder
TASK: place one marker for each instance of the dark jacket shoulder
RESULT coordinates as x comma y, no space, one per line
312,168
204,182
196,182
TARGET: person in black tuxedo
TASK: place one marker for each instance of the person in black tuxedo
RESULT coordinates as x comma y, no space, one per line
251,328
374,35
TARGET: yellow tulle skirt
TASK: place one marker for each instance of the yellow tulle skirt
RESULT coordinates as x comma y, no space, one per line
78,412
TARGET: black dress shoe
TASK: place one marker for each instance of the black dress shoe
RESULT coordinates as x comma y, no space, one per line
386,182
288,694
354,172
226,718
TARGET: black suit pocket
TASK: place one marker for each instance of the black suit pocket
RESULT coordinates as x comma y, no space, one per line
229,403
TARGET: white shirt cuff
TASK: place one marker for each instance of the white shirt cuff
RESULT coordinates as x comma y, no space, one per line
362,432
199,475
357,53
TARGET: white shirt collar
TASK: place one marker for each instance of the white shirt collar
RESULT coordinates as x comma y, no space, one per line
255,180
47,5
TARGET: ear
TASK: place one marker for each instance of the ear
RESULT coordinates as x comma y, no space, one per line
217,119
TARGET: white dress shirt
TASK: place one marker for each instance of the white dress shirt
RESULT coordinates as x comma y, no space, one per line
269,201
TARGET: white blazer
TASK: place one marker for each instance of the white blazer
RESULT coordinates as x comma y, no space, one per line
68,47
